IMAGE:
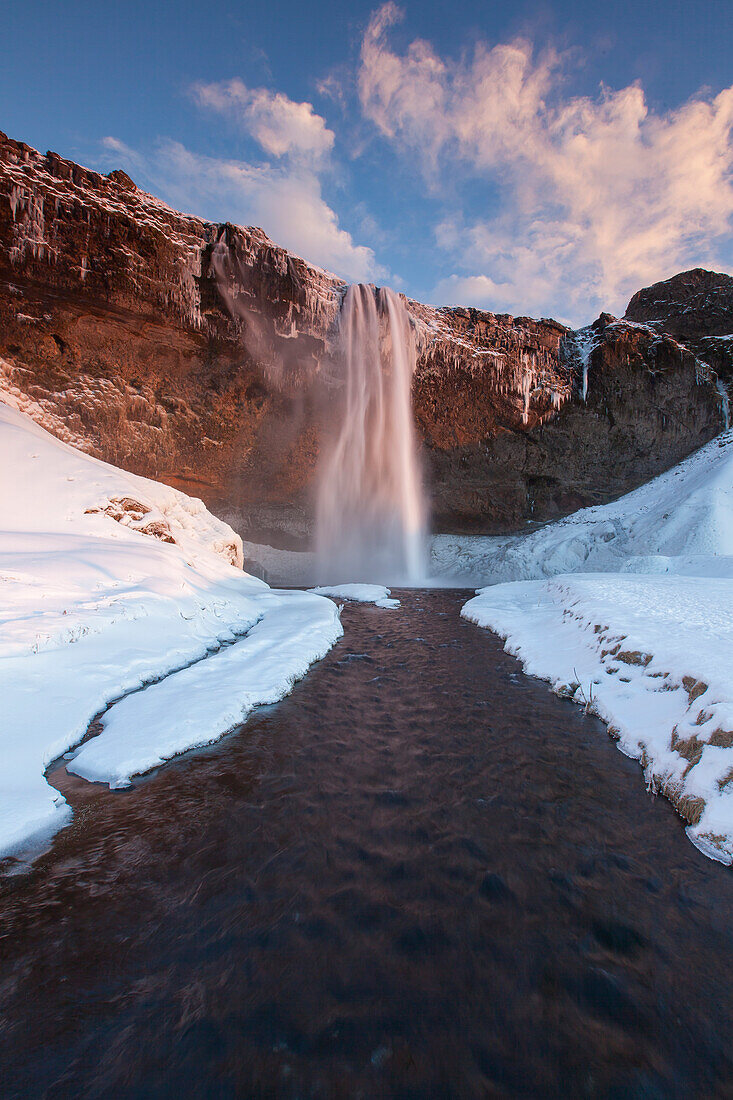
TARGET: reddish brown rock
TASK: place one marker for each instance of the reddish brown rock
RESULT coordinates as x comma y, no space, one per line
196,353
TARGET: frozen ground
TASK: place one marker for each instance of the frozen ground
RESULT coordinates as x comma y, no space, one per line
108,582
644,637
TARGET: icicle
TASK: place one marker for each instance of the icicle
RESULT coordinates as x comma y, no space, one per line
585,342
724,401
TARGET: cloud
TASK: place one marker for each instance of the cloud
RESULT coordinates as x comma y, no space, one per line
535,269
597,195
331,87
281,126
287,203
117,150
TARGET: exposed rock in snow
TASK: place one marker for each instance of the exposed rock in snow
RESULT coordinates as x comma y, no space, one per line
652,656
108,582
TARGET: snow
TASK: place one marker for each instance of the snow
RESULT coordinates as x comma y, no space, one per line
109,581
360,593
684,514
192,707
638,629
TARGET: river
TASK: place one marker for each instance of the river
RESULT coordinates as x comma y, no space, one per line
420,875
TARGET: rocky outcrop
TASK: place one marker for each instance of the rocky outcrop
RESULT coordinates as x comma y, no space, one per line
697,308
199,354
648,403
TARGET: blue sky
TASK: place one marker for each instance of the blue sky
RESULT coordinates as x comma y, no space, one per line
542,158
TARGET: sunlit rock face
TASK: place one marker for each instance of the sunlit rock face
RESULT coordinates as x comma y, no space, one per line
200,353
112,324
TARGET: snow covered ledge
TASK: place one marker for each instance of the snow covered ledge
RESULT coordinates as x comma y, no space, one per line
651,655
109,582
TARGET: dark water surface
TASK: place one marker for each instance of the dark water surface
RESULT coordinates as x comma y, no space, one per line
421,875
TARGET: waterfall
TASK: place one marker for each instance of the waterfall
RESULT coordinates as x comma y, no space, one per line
370,512
724,401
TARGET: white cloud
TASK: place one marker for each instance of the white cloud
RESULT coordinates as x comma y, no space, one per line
282,127
286,203
122,152
597,195
331,87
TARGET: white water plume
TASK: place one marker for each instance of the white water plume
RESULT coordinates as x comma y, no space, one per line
370,513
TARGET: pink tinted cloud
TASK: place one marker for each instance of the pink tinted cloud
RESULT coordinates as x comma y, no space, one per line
598,195
282,126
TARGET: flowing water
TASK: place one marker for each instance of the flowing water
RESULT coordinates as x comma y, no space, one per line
370,511
420,875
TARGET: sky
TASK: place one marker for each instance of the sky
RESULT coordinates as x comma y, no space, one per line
540,158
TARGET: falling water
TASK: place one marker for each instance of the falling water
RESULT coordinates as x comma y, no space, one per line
370,515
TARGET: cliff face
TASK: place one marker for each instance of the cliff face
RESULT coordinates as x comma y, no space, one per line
112,325
196,353
695,306
648,403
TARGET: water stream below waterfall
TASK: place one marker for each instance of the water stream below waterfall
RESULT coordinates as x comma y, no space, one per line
420,875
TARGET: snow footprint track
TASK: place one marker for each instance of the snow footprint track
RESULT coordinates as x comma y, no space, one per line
198,704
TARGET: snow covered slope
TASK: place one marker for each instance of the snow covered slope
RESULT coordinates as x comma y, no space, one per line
109,581
647,644
674,523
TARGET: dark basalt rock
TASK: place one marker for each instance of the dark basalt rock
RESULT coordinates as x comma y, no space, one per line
649,404
199,354
697,308
689,305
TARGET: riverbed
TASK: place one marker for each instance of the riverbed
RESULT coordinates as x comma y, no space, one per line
421,874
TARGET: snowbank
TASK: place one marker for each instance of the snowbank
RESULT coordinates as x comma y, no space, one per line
649,646
192,707
109,581
677,521
359,593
